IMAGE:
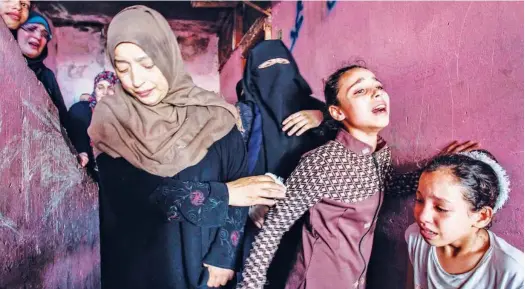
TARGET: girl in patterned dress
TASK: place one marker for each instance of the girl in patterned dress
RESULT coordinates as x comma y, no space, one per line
341,185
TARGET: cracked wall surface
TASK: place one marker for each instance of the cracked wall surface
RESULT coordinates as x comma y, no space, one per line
49,228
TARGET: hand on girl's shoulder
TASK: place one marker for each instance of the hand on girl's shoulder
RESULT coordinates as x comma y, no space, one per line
457,147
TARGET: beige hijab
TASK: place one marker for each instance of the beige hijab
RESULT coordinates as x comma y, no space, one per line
176,133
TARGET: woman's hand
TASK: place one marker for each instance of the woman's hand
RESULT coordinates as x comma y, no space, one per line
257,190
83,159
218,276
456,147
300,122
84,97
257,214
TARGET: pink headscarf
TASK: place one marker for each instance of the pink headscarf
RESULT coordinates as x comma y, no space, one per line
104,75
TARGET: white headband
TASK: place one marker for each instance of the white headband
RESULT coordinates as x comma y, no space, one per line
501,174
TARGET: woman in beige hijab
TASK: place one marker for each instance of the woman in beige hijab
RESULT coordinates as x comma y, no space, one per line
172,167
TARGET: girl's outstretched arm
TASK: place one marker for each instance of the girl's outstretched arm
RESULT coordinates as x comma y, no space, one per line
303,191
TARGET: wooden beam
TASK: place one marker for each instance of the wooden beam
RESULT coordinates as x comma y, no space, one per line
222,18
226,35
237,26
265,12
253,36
214,4
267,27
259,31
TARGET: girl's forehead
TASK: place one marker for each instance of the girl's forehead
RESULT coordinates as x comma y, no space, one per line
357,75
441,185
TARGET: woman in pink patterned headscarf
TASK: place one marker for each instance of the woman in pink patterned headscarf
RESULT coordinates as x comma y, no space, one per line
103,85
80,115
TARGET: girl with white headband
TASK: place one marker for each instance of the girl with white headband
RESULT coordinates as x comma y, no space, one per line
450,246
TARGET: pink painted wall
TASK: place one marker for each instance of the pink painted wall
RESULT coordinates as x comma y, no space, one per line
454,70
48,207
77,56
230,74
201,60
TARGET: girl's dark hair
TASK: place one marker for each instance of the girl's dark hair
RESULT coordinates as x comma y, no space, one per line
331,89
478,178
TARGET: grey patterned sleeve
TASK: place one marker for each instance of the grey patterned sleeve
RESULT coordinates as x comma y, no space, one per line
303,192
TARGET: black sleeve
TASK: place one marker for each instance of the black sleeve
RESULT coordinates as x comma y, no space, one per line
173,200
318,105
78,129
226,247
204,204
402,184
51,85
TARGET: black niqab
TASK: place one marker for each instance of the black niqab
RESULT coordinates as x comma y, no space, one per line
272,80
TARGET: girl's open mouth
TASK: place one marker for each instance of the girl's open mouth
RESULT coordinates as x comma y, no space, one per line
34,44
427,234
379,109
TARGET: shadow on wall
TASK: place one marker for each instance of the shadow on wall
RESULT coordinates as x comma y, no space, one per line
49,228
389,254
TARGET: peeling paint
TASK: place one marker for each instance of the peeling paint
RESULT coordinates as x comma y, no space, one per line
9,224
49,208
